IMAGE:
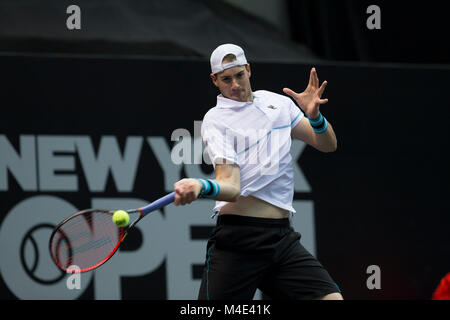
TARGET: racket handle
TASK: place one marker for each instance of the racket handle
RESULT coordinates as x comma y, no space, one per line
158,204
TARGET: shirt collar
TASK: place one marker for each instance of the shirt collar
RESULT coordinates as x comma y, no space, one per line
223,102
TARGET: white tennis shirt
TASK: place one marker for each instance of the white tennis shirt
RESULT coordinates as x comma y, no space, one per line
257,137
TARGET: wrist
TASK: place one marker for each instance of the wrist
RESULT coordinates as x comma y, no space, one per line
210,188
199,187
319,123
313,115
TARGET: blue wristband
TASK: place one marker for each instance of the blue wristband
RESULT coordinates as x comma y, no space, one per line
210,188
316,121
205,189
319,124
215,189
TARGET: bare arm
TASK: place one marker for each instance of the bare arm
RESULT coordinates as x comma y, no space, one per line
227,176
324,142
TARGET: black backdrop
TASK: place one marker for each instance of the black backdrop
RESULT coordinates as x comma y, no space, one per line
336,30
381,199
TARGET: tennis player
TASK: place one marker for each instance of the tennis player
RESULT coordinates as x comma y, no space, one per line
248,138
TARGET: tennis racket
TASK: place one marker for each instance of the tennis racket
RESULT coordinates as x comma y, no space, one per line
89,238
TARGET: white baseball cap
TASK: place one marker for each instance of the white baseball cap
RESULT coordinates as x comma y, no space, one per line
221,51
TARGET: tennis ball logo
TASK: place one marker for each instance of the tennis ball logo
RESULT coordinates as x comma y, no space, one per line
121,218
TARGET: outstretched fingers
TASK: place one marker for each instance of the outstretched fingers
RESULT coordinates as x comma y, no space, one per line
322,88
289,92
314,78
323,101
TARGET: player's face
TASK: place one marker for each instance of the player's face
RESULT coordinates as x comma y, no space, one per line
234,83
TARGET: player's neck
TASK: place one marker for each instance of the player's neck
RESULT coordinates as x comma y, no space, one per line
247,98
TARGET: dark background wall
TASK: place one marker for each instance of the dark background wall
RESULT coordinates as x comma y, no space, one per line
410,32
140,68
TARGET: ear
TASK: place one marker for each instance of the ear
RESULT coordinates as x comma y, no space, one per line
247,66
213,79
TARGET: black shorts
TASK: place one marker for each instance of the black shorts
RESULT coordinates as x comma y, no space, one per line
246,253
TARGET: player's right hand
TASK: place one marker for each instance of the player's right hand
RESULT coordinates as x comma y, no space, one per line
186,191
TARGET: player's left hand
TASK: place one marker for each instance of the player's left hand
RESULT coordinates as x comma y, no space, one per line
310,99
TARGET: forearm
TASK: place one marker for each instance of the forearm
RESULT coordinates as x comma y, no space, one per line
327,141
229,179
229,191
220,189
321,139
323,136
226,186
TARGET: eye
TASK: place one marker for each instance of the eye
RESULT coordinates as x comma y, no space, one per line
240,75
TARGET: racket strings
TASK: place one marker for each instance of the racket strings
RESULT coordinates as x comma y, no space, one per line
85,241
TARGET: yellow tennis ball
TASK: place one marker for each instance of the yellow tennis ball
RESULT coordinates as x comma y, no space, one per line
121,218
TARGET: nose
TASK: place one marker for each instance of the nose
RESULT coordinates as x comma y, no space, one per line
234,84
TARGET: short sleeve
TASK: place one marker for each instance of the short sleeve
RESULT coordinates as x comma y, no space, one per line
295,113
219,145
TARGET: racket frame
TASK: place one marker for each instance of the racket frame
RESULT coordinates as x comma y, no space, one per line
58,230
143,211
